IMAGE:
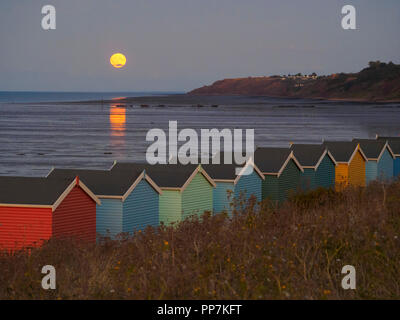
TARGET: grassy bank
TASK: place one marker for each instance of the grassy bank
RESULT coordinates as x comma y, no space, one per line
294,252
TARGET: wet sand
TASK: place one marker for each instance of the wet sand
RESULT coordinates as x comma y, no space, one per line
36,137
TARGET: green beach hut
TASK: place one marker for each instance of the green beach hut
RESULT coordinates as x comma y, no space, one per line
318,164
186,189
281,170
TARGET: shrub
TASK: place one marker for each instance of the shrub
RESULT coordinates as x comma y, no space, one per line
295,251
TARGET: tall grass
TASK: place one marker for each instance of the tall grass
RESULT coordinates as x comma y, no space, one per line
296,251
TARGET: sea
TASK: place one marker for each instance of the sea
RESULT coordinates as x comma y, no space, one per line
43,130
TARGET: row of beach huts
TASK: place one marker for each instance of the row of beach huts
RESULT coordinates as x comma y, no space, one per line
86,204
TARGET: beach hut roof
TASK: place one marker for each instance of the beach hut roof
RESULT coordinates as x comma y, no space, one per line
221,171
310,155
167,176
344,151
104,183
394,143
387,138
38,192
395,146
274,160
227,172
373,149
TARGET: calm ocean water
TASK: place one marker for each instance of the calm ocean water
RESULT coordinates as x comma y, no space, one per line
34,137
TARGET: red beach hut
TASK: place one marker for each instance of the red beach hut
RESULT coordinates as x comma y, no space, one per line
33,210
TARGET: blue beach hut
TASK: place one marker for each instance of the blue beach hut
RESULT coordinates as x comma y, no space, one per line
129,200
380,159
230,185
187,190
394,144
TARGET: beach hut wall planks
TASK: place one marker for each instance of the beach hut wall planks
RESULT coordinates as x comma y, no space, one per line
223,196
394,144
143,201
351,163
186,189
281,170
318,164
380,159
130,200
33,210
170,206
233,188
197,195
248,185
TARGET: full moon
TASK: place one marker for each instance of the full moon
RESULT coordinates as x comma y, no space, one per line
118,60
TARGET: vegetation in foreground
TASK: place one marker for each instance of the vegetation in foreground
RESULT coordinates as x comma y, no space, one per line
296,251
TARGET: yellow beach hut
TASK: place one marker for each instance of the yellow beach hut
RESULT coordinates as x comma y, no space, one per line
351,163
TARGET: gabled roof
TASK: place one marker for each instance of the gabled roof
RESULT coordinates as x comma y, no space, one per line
373,149
395,146
228,172
344,151
38,192
310,155
387,138
166,176
104,183
274,160
394,143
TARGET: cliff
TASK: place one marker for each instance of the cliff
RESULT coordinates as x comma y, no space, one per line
378,82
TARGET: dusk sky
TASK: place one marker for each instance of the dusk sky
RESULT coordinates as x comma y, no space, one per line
178,45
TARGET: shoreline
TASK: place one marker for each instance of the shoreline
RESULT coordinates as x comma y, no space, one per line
143,99
380,101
